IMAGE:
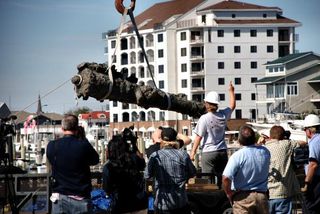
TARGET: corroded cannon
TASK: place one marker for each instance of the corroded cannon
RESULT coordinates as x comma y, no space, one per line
94,81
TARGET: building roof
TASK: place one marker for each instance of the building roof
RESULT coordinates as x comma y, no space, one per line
4,111
23,115
95,115
288,58
161,12
236,5
279,20
288,77
268,80
314,80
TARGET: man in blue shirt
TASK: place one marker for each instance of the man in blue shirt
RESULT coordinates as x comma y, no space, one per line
245,178
312,179
70,158
171,168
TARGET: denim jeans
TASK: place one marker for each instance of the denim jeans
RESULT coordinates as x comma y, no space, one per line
283,205
67,205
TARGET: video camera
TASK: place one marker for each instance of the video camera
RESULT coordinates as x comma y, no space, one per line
7,131
129,137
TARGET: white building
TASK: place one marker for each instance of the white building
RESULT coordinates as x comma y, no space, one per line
197,46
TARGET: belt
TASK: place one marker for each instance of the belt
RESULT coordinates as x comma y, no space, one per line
249,191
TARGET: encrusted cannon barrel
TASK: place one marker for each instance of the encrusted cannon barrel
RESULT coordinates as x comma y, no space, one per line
93,80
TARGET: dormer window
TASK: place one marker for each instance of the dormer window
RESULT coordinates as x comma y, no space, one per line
203,19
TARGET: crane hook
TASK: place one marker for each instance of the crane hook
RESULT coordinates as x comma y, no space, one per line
120,8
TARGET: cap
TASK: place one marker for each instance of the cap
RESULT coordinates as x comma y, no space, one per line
168,134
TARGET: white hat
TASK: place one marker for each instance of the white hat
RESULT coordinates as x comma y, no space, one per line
311,120
212,97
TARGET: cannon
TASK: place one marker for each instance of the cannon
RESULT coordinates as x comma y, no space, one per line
94,80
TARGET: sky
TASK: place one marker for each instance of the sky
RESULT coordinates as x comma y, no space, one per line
43,41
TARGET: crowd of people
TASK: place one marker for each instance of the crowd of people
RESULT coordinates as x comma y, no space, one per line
257,178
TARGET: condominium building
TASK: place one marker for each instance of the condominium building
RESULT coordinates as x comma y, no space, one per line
197,46
292,84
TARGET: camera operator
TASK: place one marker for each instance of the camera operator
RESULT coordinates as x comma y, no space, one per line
122,174
7,131
71,158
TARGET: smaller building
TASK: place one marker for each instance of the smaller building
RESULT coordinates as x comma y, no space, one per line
291,85
95,124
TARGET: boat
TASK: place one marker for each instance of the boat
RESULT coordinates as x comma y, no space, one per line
286,120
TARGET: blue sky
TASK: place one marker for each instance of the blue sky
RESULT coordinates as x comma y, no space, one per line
43,41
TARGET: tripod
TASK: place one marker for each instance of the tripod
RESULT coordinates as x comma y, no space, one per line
7,169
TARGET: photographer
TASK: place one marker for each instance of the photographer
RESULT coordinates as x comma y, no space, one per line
122,175
71,158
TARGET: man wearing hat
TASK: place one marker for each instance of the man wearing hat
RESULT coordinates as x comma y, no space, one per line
171,168
312,179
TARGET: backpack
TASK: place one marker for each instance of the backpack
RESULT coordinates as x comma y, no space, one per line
300,156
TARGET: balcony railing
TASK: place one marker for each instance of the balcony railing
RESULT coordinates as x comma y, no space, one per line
197,73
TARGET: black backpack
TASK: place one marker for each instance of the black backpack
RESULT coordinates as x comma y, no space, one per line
300,156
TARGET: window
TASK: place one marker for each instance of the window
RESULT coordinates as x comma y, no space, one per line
198,97
162,115
269,33
115,118
220,65
253,49
222,97
184,83
238,113
209,35
113,44
183,36
115,103
220,49
292,88
161,69
220,33
253,96
233,15
161,84
237,49
237,81
203,19
160,53
220,81
184,67
183,51
237,65
160,37
125,106
264,15
238,96
253,33
254,65
236,33
269,49
254,79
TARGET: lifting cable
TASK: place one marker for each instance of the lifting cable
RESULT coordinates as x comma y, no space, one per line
124,11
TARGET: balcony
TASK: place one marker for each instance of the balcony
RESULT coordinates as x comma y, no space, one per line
197,73
197,89
196,40
196,57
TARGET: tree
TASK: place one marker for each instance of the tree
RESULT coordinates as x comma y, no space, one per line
80,110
